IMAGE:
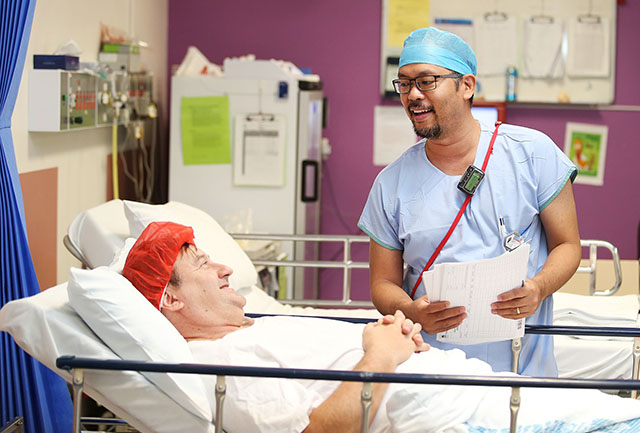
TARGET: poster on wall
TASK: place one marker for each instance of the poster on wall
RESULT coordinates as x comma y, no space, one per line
586,145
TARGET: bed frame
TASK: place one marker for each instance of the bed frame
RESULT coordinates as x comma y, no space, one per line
78,365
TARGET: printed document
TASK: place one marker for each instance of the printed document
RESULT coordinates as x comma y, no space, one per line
475,286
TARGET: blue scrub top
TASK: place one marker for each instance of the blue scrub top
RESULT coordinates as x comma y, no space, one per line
412,205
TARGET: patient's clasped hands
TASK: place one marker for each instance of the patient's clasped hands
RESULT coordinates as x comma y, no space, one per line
393,337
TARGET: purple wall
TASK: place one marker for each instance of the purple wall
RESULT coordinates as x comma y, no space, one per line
340,41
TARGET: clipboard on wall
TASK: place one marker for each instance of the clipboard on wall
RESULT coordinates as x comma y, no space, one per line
259,150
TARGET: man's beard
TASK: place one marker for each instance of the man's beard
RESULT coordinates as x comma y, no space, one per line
434,131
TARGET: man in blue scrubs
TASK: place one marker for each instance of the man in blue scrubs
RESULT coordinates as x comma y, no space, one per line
526,190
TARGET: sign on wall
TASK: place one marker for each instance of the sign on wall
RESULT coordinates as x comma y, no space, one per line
586,145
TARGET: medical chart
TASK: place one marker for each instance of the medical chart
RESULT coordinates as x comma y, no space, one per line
259,150
475,286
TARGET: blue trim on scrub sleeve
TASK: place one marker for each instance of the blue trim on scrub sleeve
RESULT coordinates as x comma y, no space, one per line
571,175
378,241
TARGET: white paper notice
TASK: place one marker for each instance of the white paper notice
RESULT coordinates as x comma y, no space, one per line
496,45
475,286
392,134
259,150
589,49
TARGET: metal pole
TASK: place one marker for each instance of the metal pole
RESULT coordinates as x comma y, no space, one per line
221,389
78,382
516,347
365,398
514,405
636,364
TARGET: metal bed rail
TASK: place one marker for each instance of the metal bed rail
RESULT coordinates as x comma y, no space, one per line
593,246
347,264
77,366
13,426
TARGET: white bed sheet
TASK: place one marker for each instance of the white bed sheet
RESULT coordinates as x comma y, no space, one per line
590,357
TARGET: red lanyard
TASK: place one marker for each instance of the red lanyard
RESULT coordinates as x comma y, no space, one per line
457,219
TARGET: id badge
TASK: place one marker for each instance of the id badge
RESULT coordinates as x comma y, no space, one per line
512,241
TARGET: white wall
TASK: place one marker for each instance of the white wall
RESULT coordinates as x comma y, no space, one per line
81,155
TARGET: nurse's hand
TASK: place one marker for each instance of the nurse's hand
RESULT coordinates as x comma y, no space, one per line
520,302
435,316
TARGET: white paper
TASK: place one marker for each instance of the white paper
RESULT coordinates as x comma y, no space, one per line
475,286
392,135
542,49
589,49
259,150
496,45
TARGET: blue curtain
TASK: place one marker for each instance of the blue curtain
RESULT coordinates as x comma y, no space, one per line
27,388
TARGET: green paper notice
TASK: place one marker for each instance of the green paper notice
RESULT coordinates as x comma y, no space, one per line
205,130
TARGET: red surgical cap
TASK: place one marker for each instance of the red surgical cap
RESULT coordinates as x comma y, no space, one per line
150,261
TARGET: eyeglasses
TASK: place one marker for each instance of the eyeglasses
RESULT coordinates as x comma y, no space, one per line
424,84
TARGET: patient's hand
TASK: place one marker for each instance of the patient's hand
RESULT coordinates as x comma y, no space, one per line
394,338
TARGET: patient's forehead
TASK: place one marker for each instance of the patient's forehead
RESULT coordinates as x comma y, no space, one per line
189,254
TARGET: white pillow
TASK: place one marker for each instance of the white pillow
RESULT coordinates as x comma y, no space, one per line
209,236
120,258
136,331
47,327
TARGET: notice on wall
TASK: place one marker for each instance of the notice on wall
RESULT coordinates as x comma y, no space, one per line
392,134
259,150
204,123
404,16
586,145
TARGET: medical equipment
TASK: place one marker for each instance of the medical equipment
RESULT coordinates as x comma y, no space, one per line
272,116
470,180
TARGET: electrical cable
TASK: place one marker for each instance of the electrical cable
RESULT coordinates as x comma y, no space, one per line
114,155
125,168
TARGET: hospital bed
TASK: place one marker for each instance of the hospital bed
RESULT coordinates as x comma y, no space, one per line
55,329
98,234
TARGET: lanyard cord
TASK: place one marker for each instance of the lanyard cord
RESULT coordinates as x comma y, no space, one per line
457,219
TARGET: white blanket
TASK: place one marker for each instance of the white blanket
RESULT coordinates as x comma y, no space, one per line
456,409
275,405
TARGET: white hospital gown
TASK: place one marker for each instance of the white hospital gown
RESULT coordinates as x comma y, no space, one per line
284,405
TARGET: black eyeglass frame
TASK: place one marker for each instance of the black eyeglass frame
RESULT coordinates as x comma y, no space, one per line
415,82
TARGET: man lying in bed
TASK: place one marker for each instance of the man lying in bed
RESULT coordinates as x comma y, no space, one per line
194,295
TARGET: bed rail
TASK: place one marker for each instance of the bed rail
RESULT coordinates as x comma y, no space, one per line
593,246
347,264
78,365
13,426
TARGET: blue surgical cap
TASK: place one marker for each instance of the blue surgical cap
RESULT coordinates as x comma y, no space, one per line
430,45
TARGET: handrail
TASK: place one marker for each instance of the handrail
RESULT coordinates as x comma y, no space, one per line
346,264
13,426
72,362
593,246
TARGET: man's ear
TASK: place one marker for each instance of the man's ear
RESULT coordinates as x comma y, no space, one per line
468,84
170,301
